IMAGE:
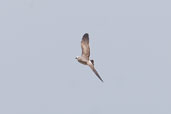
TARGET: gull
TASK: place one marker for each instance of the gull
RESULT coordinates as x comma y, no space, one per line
84,58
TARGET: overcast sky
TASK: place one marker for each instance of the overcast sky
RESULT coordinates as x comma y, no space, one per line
130,43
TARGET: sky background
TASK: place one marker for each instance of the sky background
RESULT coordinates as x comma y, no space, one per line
130,42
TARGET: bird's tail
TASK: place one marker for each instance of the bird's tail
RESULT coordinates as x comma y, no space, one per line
92,61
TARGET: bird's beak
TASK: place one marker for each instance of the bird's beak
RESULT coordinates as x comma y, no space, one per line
75,57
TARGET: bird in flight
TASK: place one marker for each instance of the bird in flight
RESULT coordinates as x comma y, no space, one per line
84,58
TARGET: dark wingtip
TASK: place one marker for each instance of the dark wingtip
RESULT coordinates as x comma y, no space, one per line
85,35
102,80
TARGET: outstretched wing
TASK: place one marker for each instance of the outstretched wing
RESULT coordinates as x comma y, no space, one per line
85,46
94,70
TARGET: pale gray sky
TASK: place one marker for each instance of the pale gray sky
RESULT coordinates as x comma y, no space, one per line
130,42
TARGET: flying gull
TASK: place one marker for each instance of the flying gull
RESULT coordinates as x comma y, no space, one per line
84,58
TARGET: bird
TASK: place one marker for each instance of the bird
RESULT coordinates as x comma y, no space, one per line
84,58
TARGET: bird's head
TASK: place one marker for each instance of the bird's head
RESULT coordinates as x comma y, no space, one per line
76,57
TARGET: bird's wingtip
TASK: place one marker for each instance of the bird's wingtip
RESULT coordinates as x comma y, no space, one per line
85,35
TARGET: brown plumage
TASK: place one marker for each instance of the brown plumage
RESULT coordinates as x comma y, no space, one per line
84,59
85,46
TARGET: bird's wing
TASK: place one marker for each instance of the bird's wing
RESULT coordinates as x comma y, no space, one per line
85,46
94,70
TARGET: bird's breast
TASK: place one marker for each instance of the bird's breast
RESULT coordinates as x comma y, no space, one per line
82,62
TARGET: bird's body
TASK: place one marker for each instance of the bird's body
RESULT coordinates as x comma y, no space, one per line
84,58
